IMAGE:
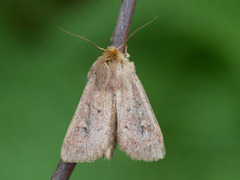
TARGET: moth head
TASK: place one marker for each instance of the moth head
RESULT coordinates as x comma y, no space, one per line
112,53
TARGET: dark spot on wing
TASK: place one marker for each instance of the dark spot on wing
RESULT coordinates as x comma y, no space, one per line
85,129
142,129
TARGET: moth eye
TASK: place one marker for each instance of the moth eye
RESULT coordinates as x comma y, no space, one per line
126,127
99,110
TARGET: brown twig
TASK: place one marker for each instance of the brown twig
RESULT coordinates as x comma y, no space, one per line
120,34
63,171
124,20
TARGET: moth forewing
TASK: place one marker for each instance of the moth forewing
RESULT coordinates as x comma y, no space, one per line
88,136
139,134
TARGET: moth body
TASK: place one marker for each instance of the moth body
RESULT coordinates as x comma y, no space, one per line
113,107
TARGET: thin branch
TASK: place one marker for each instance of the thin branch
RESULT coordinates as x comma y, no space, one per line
63,171
124,20
120,34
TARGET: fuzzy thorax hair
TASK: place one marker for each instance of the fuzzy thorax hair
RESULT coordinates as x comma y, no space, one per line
113,54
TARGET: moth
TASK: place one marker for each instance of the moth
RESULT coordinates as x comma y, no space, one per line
113,108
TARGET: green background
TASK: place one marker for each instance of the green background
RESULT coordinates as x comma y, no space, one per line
188,61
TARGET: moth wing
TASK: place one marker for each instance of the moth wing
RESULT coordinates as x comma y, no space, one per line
88,135
139,133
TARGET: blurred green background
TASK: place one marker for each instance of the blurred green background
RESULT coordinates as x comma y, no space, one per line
188,61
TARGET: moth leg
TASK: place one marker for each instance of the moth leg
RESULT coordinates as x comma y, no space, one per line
126,53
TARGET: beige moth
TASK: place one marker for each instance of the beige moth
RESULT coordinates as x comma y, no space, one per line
113,108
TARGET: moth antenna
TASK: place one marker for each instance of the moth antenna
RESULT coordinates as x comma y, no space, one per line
82,38
137,31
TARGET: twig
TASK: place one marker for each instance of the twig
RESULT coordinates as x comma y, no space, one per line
122,27
63,171
120,34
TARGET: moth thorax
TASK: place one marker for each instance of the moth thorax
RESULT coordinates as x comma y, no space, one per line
112,53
